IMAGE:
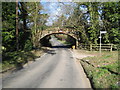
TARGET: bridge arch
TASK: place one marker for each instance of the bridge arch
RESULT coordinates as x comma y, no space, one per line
45,39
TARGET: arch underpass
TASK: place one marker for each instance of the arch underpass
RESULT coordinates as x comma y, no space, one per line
67,40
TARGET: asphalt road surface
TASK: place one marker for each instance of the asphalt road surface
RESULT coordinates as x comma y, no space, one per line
55,69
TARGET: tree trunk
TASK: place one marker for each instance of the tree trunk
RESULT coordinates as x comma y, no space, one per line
17,41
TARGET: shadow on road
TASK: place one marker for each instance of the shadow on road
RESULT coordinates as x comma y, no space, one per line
52,52
48,51
68,46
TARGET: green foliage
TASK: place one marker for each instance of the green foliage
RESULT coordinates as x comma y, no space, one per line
16,59
111,20
114,35
113,67
28,45
90,18
8,25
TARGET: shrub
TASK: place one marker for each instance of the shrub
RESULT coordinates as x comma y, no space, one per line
28,45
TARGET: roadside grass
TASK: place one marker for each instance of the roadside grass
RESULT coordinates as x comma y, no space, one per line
17,59
102,70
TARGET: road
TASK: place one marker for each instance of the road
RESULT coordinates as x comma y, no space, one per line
55,69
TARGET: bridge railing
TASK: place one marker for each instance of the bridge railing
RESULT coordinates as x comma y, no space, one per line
96,47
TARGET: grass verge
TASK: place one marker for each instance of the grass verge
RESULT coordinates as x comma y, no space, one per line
102,70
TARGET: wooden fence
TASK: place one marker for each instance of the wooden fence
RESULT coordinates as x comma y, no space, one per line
96,47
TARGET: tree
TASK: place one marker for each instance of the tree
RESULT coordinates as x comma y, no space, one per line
24,31
110,18
94,29
8,25
17,33
78,22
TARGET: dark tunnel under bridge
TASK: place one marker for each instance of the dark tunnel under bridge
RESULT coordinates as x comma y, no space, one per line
66,38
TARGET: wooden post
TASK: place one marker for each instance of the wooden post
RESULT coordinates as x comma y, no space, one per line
77,45
111,47
90,47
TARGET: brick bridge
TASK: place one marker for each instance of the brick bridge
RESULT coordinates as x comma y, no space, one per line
57,30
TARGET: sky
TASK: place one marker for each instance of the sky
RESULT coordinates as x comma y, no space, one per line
52,9
56,9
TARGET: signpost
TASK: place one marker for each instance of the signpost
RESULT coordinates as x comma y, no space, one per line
101,32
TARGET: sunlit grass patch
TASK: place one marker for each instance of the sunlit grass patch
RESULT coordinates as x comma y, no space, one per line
102,69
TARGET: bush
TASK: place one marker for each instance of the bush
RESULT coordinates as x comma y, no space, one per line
28,45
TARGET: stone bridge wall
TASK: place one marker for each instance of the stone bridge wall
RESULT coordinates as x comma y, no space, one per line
59,31
67,32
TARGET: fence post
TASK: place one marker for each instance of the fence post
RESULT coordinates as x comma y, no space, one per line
90,47
77,44
111,47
